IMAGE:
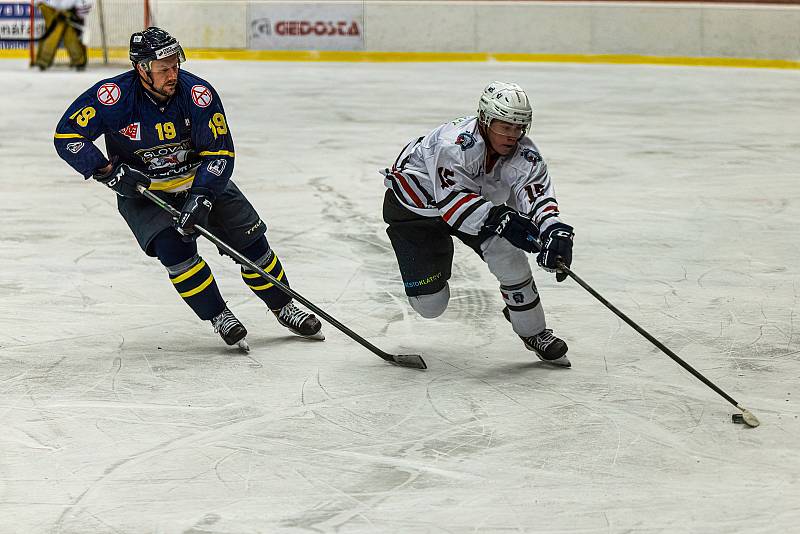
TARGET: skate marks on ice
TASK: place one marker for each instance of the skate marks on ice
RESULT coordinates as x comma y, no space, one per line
398,462
243,454
190,438
143,408
363,233
484,441
638,387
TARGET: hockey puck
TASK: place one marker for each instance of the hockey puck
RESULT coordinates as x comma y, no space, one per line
737,418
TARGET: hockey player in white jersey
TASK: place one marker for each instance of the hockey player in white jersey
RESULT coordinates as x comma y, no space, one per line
482,180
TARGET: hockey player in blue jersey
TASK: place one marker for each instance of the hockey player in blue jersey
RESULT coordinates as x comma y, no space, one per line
166,129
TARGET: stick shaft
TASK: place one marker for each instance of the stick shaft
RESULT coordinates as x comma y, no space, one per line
283,287
647,336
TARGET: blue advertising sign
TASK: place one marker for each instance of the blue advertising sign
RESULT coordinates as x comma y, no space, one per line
15,24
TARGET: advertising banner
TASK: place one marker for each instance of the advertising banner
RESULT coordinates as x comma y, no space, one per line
306,26
15,24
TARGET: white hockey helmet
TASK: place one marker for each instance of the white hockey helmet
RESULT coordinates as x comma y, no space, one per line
506,102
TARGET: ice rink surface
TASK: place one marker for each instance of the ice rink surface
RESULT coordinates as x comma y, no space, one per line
123,413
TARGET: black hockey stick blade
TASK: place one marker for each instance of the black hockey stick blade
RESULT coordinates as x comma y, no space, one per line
413,361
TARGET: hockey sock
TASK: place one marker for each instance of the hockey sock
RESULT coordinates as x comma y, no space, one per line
265,290
525,310
194,282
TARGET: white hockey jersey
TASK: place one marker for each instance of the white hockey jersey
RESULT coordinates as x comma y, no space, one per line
442,175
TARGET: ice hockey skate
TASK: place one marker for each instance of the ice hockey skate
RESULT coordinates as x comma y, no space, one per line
230,329
300,322
547,347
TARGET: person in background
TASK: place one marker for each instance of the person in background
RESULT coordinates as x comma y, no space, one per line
65,21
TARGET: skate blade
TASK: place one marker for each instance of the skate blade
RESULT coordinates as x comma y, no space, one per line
561,361
558,362
319,336
243,346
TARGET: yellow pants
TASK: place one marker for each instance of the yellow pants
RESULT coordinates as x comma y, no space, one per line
57,28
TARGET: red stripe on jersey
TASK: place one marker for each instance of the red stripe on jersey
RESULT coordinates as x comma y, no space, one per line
458,204
550,208
408,189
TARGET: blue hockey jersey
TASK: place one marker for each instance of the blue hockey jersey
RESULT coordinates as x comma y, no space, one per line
181,143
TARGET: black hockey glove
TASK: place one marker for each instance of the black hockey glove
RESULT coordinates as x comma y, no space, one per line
123,179
195,211
556,246
518,229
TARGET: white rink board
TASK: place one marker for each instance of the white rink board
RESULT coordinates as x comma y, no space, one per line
123,413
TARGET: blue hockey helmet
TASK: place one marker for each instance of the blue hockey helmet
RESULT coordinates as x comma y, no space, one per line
151,44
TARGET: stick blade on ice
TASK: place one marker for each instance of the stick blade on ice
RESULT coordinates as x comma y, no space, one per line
414,361
749,419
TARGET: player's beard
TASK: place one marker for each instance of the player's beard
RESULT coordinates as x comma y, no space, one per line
168,88
165,90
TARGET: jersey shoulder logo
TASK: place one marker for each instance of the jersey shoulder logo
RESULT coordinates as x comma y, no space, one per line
133,131
108,94
465,140
531,155
201,96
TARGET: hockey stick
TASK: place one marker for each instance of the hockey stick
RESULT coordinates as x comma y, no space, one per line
747,416
413,361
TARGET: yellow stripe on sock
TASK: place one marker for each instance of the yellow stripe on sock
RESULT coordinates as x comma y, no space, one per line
188,274
268,268
199,288
266,286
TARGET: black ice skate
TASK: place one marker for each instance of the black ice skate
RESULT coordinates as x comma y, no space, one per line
230,329
548,348
300,322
